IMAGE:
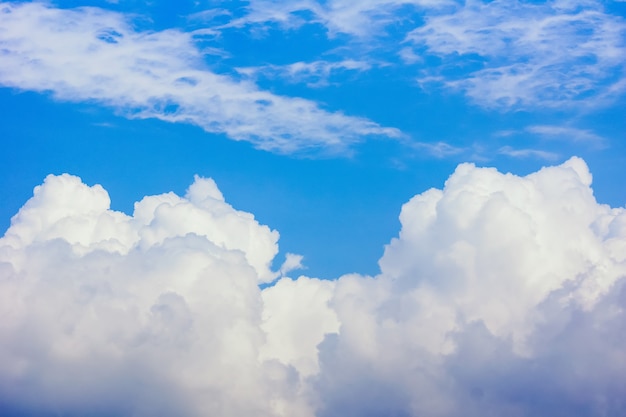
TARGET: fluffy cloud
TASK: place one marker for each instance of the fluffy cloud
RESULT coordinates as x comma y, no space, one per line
158,313
498,297
64,208
501,295
90,54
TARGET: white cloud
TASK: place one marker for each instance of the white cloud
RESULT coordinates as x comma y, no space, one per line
571,134
296,317
65,209
528,153
293,262
314,74
521,54
502,54
438,149
90,54
501,295
366,18
497,245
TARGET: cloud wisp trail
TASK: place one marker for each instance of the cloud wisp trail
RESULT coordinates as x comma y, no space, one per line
93,55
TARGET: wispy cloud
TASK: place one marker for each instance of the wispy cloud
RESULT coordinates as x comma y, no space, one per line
89,54
364,19
523,54
528,153
502,54
314,74
569,134
438,149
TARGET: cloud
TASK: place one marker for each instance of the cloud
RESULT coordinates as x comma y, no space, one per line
438,149
364,19
528,153
568,134
90,54
501,295
502,54
507,54
315,74
65,209
495,299
157,313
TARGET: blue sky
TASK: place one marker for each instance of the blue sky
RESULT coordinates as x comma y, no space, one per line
328,121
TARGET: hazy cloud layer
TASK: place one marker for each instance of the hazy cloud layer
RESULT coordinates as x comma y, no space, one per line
501,295
90,54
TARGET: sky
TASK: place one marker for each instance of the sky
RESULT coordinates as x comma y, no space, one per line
313,208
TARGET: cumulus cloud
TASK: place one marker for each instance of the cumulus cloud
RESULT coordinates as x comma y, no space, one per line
64,208
501,295
494,299
157,313
90,54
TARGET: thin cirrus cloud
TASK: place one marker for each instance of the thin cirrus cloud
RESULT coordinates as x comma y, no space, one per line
564,134
524,54
570,134
501,54
361,19
528,153
89,54
314,74
501,295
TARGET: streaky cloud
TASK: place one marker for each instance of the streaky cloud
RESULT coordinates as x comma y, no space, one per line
567,133
362,19
502,54
528,153
91,54
314,74
554,54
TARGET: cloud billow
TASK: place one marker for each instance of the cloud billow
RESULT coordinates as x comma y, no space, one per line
501,295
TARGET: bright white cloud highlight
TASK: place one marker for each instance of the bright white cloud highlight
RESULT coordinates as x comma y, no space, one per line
89,54
65,209
501,295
